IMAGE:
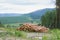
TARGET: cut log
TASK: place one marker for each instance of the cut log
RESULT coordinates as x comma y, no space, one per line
32,28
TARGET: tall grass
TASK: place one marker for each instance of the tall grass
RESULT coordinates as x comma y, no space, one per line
54,35
12,32
20,34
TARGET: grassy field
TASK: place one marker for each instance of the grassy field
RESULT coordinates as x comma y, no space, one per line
15,24
13,34
53,34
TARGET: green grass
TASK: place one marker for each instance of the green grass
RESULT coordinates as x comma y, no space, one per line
12,32
54,35
13,24
20,34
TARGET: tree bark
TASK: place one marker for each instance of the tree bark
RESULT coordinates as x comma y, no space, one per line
58,13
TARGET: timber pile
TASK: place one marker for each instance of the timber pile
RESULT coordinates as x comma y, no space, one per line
32,28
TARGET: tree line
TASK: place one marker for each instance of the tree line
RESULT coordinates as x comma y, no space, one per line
49,19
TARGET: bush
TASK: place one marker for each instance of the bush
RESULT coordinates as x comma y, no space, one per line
20,34
49,19
55,35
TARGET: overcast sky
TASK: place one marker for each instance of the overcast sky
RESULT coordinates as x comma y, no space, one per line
24,6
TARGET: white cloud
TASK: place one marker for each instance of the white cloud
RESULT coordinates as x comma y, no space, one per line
21,6
27,2
2,0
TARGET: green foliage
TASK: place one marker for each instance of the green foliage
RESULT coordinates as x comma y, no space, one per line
1,25
54,35
45,38
17,19
13,32
20,24
8,26
20,34
49,19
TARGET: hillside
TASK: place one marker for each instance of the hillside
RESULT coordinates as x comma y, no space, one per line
15,19
9,14
37,14
23,18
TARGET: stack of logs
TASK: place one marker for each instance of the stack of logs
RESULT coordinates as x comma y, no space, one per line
32,28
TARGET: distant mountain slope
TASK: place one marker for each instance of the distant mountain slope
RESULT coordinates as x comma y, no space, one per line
15,19
23,18
37,14
9,14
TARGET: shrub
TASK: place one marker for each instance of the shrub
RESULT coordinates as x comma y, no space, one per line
20,34
55,35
